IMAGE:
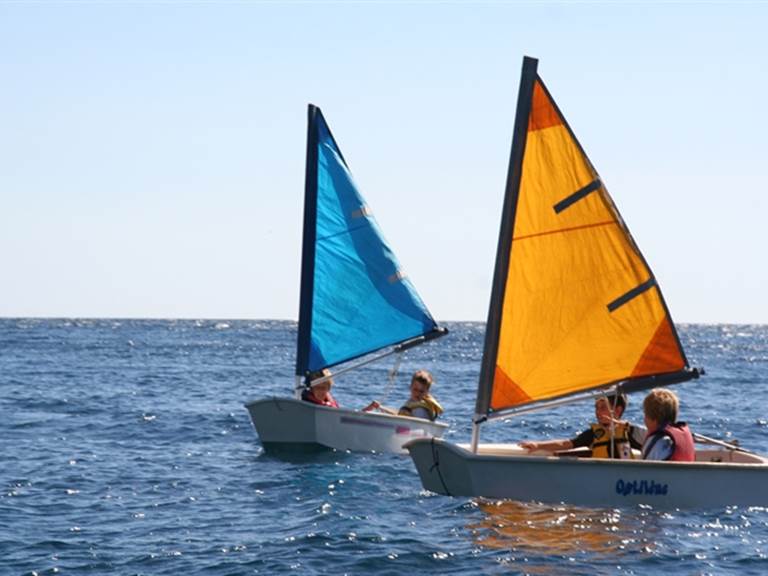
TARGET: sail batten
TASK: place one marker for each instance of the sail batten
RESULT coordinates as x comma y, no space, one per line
578,195
355,298
629,295
556,326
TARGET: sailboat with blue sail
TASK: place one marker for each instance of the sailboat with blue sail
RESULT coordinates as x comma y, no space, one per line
356,306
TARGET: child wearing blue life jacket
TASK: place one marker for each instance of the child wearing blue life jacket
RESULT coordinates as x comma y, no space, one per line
667,438
609,437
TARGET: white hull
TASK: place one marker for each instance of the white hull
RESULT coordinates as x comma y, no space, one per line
718,478
290,424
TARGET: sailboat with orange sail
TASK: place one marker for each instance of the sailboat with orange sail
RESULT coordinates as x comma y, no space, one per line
575,313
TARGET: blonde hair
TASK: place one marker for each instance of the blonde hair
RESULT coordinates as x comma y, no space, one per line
317,374
661,405
424,377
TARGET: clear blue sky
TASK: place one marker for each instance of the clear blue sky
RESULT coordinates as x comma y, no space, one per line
152,153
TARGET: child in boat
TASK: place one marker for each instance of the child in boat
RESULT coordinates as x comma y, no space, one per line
608,411
667,438
320,393
421,404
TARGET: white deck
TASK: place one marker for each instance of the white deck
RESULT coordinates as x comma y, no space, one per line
702,455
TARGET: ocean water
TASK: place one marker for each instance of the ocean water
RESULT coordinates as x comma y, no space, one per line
125,449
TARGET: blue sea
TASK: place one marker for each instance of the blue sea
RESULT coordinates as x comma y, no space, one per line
126,449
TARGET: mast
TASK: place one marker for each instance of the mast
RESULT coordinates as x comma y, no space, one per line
503,251
615,330
354,298
308,245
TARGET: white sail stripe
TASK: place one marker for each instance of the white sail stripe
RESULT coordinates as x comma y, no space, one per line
396,277
364,211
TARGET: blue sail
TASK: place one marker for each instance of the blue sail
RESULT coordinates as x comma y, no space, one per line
354,298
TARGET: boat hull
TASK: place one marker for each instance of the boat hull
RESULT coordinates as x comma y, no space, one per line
287,424
507,471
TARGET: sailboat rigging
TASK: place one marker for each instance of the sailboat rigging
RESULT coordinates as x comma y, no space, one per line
355,302
575,312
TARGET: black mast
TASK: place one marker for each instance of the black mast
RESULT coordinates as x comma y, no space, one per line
308,244
504,249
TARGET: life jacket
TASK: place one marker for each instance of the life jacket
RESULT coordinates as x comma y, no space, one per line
601,444
308,396
682,440
431,405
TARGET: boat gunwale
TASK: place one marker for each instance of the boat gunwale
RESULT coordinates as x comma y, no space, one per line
463,451
349,411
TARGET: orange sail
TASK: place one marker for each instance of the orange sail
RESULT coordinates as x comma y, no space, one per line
574,307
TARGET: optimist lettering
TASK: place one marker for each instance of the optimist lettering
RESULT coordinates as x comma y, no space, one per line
637,487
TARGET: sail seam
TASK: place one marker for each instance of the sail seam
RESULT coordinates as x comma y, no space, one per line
578,195
562,230
347,231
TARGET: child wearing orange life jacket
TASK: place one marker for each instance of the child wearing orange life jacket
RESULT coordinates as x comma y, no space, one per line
609,437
